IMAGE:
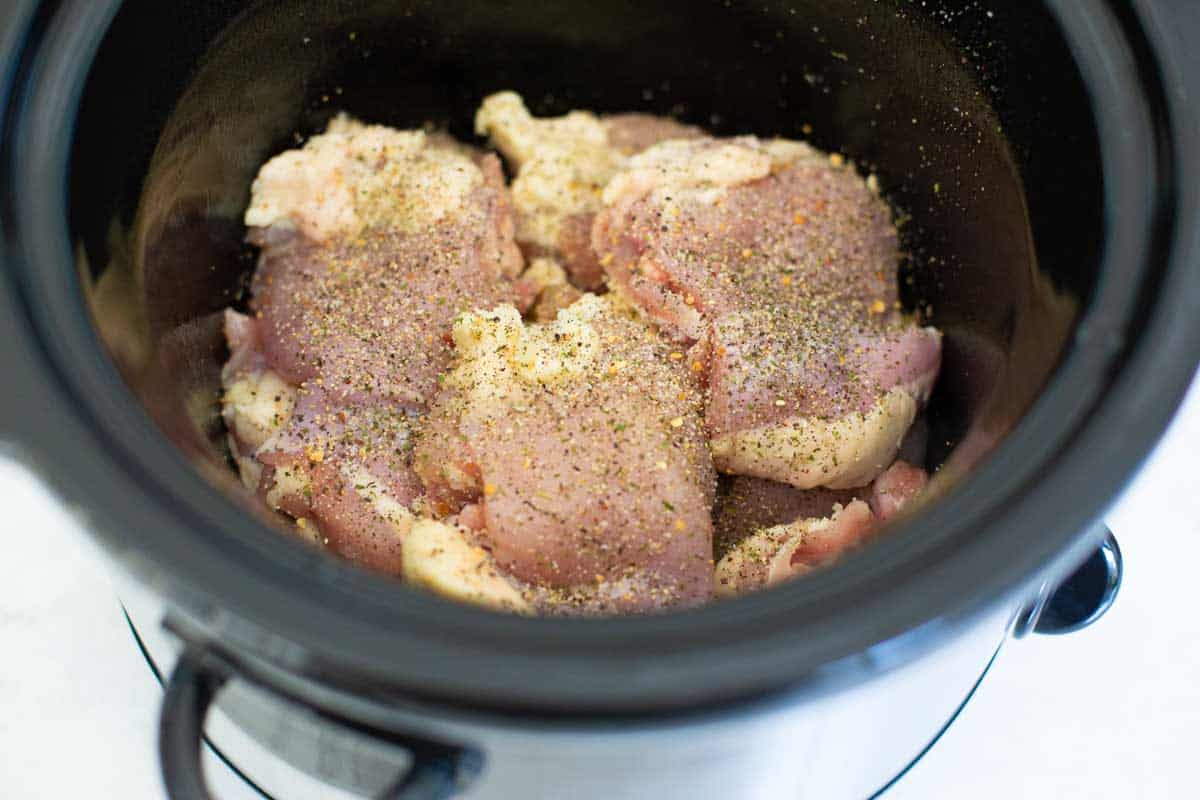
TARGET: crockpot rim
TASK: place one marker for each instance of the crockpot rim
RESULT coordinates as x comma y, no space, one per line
572,651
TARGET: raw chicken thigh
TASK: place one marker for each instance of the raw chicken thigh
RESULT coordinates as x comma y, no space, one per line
372,241
562,165
576,451
777,266
768,532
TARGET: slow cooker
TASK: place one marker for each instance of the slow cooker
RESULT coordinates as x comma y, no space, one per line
1042,158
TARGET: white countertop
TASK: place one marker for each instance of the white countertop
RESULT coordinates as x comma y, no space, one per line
1109,712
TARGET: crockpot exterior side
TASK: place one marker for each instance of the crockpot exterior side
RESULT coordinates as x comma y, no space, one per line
1118,387
844,746
1128,369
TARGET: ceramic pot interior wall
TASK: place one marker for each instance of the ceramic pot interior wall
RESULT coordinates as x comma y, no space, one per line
974,118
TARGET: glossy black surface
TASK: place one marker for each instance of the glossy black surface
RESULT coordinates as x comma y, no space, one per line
1071,223
1086,594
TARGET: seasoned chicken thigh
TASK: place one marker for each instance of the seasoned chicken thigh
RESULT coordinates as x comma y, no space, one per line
777,266
562,165
576,451
768,532
372,240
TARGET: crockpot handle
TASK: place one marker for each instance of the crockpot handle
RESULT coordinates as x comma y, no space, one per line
436,773
1081,599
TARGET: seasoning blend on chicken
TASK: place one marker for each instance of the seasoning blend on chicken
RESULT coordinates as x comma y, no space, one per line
777,266
578,455
562,165
387,394
372,241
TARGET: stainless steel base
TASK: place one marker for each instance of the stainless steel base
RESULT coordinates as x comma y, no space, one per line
852,744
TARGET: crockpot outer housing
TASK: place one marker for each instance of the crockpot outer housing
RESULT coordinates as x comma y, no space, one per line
1125,255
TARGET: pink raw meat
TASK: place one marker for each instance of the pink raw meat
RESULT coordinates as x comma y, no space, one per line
768,532
597,491
785,287
368,315
358,324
